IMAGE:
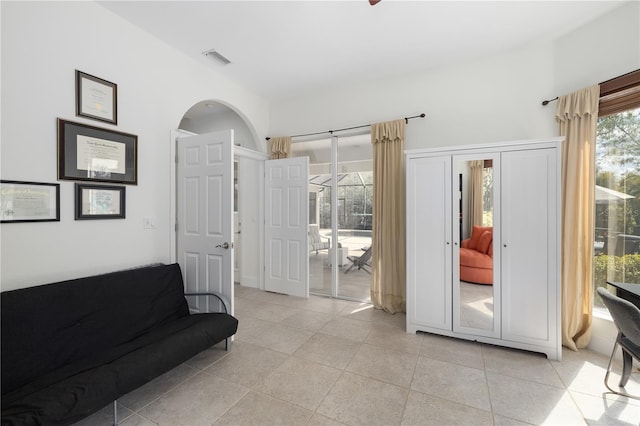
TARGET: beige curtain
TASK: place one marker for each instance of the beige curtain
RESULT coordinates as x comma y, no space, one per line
280,147
476,170
388,237
577,114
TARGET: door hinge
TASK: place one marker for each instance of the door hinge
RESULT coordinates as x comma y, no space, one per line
176,158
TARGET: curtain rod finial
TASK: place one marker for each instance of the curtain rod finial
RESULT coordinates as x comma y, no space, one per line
268,138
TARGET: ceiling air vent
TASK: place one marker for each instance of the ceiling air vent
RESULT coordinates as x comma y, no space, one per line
213,54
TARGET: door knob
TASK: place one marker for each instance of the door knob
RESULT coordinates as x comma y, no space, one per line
224,245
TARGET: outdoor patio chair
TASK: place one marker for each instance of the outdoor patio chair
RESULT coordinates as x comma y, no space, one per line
626,317
316,240
361,262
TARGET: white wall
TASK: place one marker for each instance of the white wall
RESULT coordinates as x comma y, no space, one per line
491,99
598,51
42,45
487,100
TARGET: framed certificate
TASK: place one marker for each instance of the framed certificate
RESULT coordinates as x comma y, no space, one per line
29,201
100,201
94,154
96,98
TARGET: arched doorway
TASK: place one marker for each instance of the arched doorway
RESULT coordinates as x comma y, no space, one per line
210,116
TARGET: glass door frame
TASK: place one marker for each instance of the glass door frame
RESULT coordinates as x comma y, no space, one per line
333,252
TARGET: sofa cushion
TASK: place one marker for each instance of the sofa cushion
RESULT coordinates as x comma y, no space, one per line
475,259
47,327
71,393
485,241
476,233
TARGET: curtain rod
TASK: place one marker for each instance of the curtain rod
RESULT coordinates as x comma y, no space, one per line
406,119
545,103
623,81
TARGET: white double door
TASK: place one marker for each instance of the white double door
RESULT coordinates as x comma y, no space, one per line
205,232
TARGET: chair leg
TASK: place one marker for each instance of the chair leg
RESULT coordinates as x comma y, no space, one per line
627,362
606,376
115,412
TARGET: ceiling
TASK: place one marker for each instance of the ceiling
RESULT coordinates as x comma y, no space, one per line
282,49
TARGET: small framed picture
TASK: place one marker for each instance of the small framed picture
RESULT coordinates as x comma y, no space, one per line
29,201
96,98
100,201
95,154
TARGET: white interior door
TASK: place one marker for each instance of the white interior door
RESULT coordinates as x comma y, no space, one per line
205,215
251,220
286,224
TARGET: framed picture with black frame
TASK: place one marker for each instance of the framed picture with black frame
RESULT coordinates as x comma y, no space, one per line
99,201
29,201
92,153
96,98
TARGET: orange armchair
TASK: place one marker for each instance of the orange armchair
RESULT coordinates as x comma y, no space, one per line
476,256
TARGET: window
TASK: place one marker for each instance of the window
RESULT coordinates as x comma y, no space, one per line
617,192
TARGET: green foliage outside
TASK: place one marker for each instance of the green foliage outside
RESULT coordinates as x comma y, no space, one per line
616,268
619,138
355,202
618,168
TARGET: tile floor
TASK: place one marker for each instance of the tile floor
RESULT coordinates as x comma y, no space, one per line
355,284
319,361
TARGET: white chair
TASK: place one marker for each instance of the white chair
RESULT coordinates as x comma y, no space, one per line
316,240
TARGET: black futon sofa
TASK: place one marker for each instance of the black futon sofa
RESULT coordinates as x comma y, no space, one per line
73,347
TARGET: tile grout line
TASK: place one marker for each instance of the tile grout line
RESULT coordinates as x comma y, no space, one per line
413,375
486,380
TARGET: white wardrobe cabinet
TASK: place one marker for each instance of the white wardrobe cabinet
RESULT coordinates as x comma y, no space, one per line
511,193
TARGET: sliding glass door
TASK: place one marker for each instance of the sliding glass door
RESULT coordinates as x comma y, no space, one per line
340,215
